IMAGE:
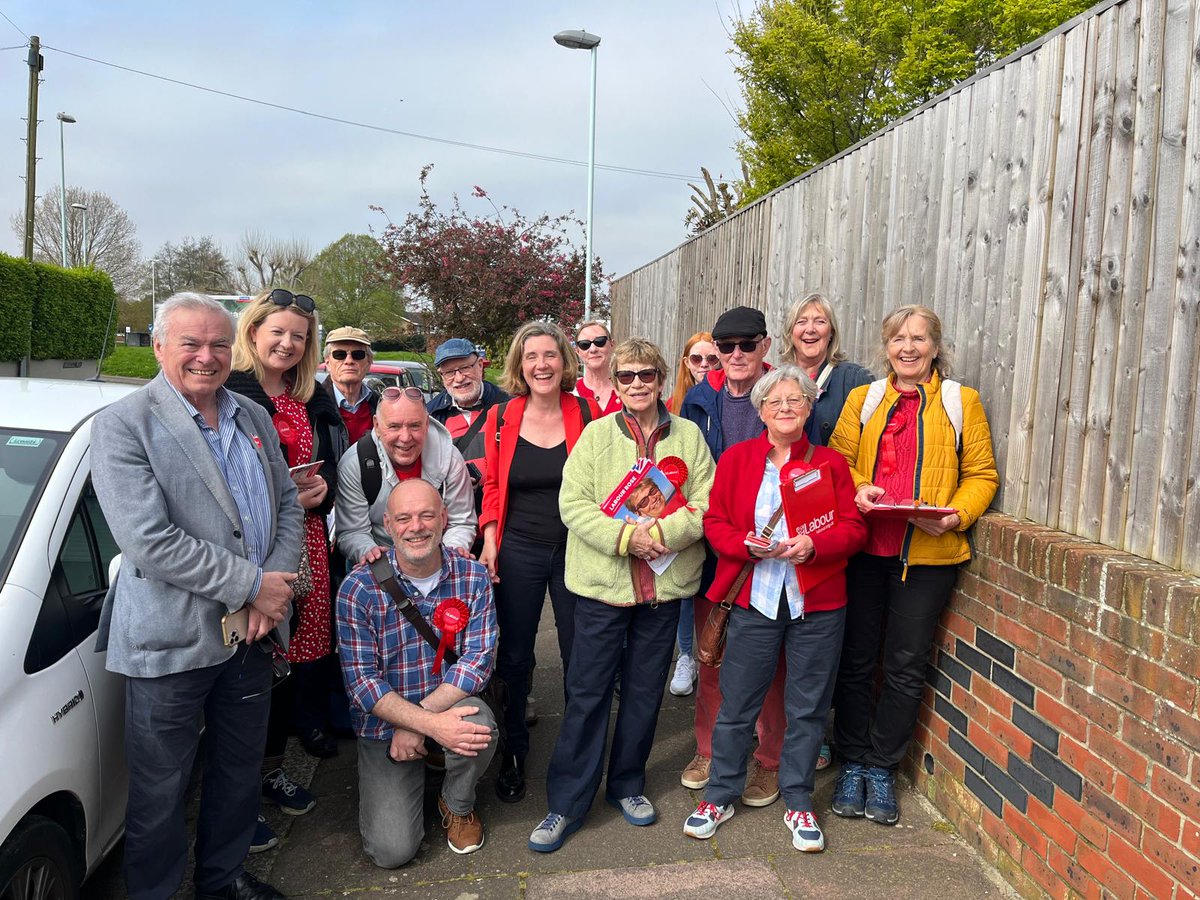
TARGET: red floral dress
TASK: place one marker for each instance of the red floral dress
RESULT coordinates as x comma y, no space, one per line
312,638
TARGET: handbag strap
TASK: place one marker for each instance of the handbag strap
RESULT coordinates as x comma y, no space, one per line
386,576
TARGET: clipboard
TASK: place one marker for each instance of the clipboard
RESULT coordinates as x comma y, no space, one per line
908,509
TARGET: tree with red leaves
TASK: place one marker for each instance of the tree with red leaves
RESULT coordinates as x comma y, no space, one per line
481,277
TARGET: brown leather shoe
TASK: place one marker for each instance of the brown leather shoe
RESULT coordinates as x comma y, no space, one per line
696,775
762,787
464,834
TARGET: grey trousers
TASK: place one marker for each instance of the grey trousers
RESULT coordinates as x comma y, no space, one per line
391,794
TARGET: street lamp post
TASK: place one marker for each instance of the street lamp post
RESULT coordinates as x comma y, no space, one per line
63,120
153,290
581,40
82,207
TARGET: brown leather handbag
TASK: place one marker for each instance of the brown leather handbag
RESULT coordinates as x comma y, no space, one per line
710,644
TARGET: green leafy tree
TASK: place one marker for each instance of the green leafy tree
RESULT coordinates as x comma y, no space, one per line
351,288
818,76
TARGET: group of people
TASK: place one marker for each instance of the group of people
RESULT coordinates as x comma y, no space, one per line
301,556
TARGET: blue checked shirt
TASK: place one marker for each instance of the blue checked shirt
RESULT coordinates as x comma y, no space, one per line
243,472
382,652
771,576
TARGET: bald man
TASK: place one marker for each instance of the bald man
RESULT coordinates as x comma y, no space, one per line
397,698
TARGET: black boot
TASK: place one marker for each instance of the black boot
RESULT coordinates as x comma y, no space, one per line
510,783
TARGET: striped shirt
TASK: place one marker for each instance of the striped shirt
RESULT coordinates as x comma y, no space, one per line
382,652
243,473
772,576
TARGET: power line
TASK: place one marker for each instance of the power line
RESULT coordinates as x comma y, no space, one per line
14,25
626,170
14,47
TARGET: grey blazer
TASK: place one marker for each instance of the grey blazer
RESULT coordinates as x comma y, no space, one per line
184,561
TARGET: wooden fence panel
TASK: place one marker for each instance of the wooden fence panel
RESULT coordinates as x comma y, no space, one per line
1049,210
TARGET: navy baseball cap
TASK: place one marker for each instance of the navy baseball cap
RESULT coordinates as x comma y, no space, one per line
454,348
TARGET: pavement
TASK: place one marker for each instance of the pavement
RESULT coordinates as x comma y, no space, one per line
751,856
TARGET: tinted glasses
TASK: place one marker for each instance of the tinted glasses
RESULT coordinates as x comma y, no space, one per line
746,346
339,355
393,394
645,376
303,302
587,345
698,359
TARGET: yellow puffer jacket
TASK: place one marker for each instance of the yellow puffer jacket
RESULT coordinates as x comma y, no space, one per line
965,480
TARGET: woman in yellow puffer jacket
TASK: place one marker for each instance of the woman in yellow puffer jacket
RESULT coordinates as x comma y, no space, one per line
915,436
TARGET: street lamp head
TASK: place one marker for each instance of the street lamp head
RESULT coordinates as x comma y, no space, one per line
82,206
577,40
66,117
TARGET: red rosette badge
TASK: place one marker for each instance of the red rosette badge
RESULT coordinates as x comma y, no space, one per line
675,470
449,618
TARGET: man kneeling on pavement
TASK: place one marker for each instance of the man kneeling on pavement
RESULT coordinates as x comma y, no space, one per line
403,689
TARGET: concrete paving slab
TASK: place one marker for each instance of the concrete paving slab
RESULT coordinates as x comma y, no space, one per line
914,873
750,879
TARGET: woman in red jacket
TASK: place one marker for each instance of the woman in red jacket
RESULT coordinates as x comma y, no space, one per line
771,611
524,539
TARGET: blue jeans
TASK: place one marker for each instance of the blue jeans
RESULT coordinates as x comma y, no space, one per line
811,646
686,630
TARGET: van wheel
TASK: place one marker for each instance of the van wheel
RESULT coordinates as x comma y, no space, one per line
35,863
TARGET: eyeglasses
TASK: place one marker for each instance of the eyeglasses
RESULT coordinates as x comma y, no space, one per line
777,403
392,394
746,346
280,297
587,345
339,355
645,376
280,667
713,361
451,374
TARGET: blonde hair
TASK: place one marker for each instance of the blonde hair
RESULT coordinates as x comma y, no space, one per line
895,320
642,351
513,378
684,381
588,324
834,353
302,376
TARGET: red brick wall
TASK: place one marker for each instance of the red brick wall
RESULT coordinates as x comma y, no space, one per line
1060,731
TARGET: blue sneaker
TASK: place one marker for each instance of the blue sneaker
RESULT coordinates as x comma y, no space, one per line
553,832
881,803
849,791
264,837
286,794
637,810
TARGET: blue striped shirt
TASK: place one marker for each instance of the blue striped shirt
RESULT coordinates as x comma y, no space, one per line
772,576
243,473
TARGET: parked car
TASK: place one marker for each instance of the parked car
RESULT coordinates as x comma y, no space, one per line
397,373
63,789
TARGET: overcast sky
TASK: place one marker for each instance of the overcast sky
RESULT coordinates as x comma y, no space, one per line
186,162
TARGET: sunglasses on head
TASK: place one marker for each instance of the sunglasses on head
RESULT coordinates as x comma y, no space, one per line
746,346
587,345
339,355
392,394
712,360
280,297
645,376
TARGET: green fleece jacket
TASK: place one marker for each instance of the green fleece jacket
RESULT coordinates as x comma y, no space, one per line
598,563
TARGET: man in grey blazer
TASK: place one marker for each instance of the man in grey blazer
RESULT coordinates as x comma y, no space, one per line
198,495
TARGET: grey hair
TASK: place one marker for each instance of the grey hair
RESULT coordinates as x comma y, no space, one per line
187,300
764,385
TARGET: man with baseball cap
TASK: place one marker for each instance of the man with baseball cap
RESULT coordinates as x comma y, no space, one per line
463,405
348,358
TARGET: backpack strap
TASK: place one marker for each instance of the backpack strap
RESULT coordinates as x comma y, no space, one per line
584,410
500,419
871,402
386,576
463,441
952,404
369,472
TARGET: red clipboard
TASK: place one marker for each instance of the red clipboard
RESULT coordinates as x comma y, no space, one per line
810,507
908,509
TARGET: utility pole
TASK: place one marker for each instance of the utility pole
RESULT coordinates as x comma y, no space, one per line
35,70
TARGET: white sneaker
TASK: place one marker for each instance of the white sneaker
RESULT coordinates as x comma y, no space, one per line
684,679
704,821
806,833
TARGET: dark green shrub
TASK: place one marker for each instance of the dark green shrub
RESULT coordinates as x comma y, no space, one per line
18,287
71,313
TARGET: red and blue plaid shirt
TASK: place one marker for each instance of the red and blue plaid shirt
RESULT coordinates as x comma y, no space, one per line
382,652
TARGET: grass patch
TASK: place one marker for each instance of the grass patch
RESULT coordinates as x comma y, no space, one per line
131,362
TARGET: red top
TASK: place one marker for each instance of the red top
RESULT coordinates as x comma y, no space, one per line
358,422
895,466
731,514
502,444
614,402
409,472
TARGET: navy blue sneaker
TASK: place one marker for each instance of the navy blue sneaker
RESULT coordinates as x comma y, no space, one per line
881,803
286,794
264,837
849,791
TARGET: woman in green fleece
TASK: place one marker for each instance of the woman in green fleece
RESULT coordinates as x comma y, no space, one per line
624,601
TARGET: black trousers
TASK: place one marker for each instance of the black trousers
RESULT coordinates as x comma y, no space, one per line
527,569
162,733
876,733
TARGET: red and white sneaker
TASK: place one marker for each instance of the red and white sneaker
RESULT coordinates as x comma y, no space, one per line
704,821
806,833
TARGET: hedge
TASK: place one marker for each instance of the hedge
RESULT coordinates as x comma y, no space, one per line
67,311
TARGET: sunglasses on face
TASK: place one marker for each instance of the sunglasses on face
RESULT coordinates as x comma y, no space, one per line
697,359
283,298
748,346
339,355
393,394
587,345
645,376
